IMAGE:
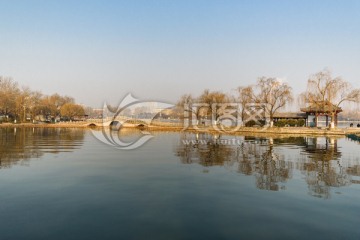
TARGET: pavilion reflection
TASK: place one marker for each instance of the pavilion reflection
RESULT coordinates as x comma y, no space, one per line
272,160
323,168
18,145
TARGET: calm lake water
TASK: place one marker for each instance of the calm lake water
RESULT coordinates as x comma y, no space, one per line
65,184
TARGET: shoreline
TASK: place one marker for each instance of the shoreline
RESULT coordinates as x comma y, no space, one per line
300,131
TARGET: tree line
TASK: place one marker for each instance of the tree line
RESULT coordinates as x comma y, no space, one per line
23,104
323,90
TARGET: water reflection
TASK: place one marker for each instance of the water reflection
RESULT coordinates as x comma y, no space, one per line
272,161
18,145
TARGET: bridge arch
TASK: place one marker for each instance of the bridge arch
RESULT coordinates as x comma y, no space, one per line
115,125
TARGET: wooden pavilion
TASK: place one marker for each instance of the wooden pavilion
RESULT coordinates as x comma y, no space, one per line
321,108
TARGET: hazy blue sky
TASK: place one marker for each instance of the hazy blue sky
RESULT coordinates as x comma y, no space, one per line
158,50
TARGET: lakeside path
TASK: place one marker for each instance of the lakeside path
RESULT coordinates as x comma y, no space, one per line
177,128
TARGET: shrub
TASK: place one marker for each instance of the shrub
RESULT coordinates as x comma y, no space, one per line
280,123
252,123
289,122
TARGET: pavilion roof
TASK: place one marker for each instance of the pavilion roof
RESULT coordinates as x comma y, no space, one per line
321,107
290,115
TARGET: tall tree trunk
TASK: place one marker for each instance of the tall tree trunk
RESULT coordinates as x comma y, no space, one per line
188,111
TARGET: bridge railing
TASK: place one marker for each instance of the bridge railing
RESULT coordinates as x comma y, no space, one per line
155,122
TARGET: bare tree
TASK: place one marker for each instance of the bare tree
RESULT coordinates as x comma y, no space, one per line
20,103
274,94
36,100
213,100
185,105
71,110
23,102
9,90
245,97
329,93
56,101
195,107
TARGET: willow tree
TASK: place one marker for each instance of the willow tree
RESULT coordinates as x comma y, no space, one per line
185,107
323,89
245,97
214,102
274,94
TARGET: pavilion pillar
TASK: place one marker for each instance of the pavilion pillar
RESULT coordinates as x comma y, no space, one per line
327,120
307,120
336,120
316,119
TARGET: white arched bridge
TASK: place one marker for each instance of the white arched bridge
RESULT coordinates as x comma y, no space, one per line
108,122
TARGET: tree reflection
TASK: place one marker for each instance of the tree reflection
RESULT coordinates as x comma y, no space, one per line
272,160
18,145
272,169
251,156
204,149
